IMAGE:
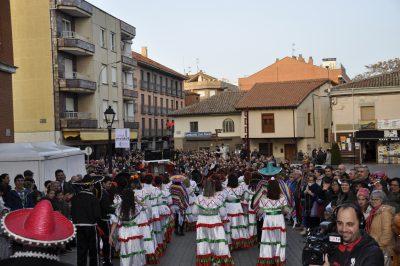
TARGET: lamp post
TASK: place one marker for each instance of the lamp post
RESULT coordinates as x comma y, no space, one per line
109,115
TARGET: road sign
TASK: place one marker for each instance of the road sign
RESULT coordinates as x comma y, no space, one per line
88,150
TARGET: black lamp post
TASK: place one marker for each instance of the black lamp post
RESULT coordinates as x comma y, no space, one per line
109,115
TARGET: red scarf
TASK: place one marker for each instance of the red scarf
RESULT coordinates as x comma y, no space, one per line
349,247
368,222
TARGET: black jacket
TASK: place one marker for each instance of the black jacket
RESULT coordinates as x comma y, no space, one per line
85,208
105,205
365,253
32,262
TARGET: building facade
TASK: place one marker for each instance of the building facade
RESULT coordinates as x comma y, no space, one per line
207,86
283,118
366,122
75,61
7,69
211,122
160,93
296,68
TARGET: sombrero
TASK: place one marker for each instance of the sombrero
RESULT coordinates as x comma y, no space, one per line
177,178
270,170
40,226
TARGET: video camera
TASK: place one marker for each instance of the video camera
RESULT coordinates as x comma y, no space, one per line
321,241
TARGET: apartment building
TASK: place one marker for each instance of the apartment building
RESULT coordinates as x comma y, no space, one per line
366,120
75,61
161,93
7,69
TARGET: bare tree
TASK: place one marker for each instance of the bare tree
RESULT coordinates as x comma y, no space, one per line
380,67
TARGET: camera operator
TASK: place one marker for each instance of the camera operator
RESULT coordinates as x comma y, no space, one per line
357,247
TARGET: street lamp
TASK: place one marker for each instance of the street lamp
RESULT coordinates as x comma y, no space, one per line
109,115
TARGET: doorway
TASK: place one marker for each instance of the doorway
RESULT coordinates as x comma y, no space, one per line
290,152
369,151
265,149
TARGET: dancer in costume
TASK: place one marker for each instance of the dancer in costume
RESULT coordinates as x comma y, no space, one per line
212,246
237,222
273,239
130,236
180,202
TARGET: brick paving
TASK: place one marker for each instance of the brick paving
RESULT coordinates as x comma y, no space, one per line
181,252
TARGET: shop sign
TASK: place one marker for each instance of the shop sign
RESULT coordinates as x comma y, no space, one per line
388,124
198,134
122,138
390,133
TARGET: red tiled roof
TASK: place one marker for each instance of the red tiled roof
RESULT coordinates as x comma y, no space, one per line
382,80
283,94
147,61
222,103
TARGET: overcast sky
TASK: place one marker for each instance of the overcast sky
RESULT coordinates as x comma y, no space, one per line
236,38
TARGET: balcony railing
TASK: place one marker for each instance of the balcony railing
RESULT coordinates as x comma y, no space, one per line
162,89
143,85
143,109
150,86
77,120
128,32
75,8
128,62
73,43
78,83
130,123
134,83
129,93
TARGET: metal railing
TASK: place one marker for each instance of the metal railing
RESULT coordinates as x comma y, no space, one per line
76,115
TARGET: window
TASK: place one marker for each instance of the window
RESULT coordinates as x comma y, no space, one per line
150,126
228,125
161,105
129,110
194,126
326,135
115,108
112,41
114,76
212,93
176,105
69,104
156,126
66,29
102,38
143,126
104,74
149,103
162,127
309,119
181,104
155,104
367,113
172,104
268,123
105,106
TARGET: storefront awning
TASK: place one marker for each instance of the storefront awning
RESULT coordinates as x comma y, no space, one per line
369,134
94,135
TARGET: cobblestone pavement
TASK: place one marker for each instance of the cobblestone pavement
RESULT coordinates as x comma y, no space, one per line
181,252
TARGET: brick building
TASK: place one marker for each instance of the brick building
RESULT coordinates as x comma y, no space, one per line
296,68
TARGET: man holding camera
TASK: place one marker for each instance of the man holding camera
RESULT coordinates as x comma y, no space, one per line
357,247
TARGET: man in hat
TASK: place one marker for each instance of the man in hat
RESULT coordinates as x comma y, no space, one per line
85,213
39,231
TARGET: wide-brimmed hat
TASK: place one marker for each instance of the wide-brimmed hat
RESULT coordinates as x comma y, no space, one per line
270,170
40,226
177,178
88,180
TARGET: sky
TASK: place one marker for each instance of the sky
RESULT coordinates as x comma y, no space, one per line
236,38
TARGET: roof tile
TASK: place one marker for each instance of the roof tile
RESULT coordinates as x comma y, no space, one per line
382,80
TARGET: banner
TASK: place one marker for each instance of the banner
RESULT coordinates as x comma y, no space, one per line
122,138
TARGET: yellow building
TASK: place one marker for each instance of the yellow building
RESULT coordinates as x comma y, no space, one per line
74,61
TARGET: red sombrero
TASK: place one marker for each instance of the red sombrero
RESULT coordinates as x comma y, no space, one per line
40,226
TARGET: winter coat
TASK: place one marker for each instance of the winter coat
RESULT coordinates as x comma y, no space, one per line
394,200
364,253
381,228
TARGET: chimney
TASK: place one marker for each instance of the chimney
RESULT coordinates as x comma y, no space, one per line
301,59
310,60
144,51
277,60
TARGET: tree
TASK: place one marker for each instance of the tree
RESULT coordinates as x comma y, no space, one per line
336,156
381,67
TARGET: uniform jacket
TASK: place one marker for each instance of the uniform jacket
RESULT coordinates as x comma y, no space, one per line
85,208
381,228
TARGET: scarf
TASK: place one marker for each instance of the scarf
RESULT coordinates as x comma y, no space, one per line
368,222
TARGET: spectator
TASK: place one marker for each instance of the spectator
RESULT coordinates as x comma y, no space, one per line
363,201
379,224
60,177
394,194
319,173
328,156
352,174
18,197
345,194
342,168
329,172
310,194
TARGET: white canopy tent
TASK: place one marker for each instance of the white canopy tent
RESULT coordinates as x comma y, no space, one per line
42,158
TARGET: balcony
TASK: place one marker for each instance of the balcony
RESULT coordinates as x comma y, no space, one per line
134,83
367,124
77,84
129,123
77,120
168,92
150,109
143,85
157,88
143,109
156,110
70,42
128,32
128,63
128,92
162,89
75,8
135,108
150,86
